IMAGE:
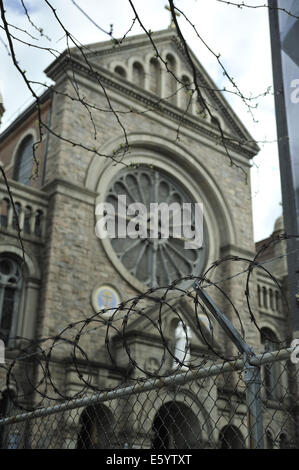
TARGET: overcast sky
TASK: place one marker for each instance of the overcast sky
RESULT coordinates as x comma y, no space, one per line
241,36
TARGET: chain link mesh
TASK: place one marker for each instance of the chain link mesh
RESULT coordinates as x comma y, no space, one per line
205,409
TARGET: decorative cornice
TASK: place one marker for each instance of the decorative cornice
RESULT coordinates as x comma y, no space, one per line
144,97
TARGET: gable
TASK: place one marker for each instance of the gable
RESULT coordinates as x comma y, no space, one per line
161,330
134,61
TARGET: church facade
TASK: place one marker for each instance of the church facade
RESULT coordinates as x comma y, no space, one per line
68,274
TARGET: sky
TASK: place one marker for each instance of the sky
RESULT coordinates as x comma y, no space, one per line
240,35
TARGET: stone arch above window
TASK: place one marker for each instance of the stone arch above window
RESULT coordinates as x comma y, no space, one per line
138,74
24,161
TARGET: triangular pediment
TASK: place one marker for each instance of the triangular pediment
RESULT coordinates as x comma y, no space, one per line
122,59
176,320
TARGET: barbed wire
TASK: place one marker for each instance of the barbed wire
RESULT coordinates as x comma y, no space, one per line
29,373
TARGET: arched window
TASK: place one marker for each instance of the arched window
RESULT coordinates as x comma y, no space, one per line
271,299
259,296
170,82
231,438
186,95
23,165
10,292
27,218
5,205
265,297
138,74
120,71
155,76
277,300
270,372
38,223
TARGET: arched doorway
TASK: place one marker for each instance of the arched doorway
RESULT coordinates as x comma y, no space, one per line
176,427
231,438
97,428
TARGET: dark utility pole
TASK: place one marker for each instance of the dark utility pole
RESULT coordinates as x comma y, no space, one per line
284,31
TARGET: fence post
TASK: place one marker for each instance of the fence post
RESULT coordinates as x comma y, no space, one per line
254,405
252,373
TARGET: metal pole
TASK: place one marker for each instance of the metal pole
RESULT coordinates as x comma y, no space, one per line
287,115
254,405
252,372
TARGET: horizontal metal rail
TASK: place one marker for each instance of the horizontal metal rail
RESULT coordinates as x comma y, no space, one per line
150,384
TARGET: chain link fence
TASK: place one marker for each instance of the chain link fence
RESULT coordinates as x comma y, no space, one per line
221,405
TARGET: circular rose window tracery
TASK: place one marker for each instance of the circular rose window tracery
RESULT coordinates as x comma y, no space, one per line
154,261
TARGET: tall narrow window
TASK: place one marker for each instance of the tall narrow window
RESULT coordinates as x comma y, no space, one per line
23,165
265,297
186,95
171,84
271,374
138,74
5,205
10,290
155,76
